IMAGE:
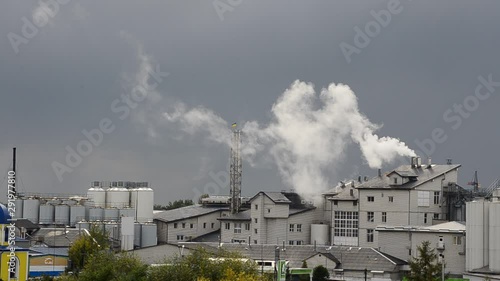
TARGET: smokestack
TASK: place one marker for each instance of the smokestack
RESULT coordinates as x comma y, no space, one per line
429,162
449,161
352,184
359,178
366,178
413,162
379,173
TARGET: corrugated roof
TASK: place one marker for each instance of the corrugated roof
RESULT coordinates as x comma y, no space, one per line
276,197
452,226
49,251
186,212
241,216
423,175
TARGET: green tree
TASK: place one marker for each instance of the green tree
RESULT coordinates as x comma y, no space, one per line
425,267
320,273
87,245
107,266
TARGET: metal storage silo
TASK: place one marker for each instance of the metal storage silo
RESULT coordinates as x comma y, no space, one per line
98,196
126,212
19,208
76,214
62,214
83,225
476,238
319,234
127,233
31,209
46,214
142,199
137,234
148,235
110,214
117,197
113,230
96,214
69,202
494,258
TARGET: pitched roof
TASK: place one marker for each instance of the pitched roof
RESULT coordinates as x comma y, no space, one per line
327,255
56,237
423,174
276,197
186,212
241,216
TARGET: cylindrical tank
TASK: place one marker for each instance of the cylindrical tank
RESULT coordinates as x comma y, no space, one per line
62,214
76,214
82,225
19,208
494,249
46,214
113,230
126,212
148,235
127,233
319,234
137,234
31,208
117,197
98,196
110,214
475,243
96,214
142,199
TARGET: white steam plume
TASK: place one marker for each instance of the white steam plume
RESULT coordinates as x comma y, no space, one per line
306,137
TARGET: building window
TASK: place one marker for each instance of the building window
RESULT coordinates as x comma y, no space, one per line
298,242
436,197
369,235
346,224
237,227
335,202
370,216
457,240
204,225
384,216
371,199
256,207
355,203
183,225
290,242
228,226
191,225
423,199
299,228
425,218
395,180
391,199
255,241
247,226
292,227
175,225
180,237
255,220
255,231
213,225
436,216
268,210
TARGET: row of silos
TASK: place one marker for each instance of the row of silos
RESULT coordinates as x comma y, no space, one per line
108,214
140,199
50,211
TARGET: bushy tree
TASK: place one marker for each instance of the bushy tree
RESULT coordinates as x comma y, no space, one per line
320,273
87,245
425,267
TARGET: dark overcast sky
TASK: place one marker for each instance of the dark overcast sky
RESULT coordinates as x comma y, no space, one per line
65,77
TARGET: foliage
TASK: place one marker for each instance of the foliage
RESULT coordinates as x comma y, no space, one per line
174,205
230,275
320,273
106,266
87,245
425,267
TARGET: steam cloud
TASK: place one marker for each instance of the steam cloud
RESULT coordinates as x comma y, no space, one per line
306,137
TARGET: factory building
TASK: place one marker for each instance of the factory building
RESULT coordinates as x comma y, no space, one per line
483,238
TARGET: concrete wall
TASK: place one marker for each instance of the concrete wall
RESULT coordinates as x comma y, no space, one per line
168,234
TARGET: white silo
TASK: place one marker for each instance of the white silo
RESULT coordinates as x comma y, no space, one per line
76,214
19,208
30,209
98,196
142,199
126,212
96,214
477,234
127,233
494,247
319,234
62,214
113,230
111,214
148,235
46,214
117,197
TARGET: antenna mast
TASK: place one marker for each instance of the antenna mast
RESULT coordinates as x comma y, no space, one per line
475,183
235,170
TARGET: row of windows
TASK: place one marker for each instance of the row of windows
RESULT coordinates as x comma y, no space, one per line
295,242
346,224
176,225
293,229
